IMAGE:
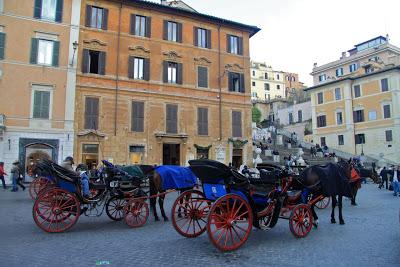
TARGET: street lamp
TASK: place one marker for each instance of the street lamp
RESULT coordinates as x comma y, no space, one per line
74,46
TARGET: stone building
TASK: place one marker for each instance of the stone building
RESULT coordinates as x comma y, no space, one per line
37,79
159,84
266,83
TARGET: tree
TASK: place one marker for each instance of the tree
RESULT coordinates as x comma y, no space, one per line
256,115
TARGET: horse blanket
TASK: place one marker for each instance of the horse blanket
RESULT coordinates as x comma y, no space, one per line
176,177
332,177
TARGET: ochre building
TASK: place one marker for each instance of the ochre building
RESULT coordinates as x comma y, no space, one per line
161,85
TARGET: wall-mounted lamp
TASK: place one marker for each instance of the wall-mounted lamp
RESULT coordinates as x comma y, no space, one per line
74,46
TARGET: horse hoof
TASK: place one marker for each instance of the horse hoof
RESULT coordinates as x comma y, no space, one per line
315,224
333,221
166,219
341,222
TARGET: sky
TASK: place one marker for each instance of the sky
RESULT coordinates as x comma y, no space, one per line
295,34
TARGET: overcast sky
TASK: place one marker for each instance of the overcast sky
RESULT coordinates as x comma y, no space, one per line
297,33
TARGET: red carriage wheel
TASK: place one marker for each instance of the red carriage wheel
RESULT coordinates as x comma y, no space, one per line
115,208
323,203
230,222
37,185
56,210
300,220
136,212
189,213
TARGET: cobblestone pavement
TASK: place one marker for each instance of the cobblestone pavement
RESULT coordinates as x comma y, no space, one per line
371,237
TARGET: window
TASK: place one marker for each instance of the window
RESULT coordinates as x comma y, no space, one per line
299,115
93,62
44,52
386,111
202,121
172,72
359,139
322,77
372,115
41,104
323,141
202,77
202,38
369,69
358,116
290,117
90,154
172,31
320,97
278,86
266,86
91,113
388,135
384,85
202,153
139,68
236,82
2,44
339,72
357,91
234,44
140,26
338,94
236,124
277,77
339,118
136,154
254,73
172,119
353,67
340,140
253,83
49,10
321,121
96,17
137,117
254,94
266,76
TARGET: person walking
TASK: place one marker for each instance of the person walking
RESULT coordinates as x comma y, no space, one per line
15,172
2,174
395,181
68,162
20,177
384,175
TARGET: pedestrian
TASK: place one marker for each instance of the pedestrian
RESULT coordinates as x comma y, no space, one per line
15,172
395,182
2,174
20,176
384,175
68,162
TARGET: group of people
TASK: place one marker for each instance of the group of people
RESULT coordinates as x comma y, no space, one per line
16,176
391,175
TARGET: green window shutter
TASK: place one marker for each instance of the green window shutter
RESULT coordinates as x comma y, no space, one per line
56,53
59,10
45,107
34,50
36,104
37,11
2,44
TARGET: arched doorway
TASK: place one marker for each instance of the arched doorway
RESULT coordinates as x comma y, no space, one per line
34,153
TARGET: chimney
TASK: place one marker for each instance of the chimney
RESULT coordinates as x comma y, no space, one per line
344,54
315,64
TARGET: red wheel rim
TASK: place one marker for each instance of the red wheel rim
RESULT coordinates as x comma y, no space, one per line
323,203
115,208
230,222
189,213
136,213
37,185
300,221
56,210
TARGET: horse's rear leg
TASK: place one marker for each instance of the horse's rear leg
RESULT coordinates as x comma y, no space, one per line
153,202
161,203
354,194
333,209
315,217
341,221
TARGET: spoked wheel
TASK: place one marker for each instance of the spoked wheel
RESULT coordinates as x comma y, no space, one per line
115,208
136,212
189,213
37,185
56,210
230,222
300,221
323,203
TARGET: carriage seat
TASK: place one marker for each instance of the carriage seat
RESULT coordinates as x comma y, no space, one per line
293,195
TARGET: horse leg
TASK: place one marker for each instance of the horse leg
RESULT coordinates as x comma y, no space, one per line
153,202
315,217
341,221
161,204
333,209
354,194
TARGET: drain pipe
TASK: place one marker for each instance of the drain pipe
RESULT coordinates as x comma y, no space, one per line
117,72
220,83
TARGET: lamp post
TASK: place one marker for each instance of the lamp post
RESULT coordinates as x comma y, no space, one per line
74,46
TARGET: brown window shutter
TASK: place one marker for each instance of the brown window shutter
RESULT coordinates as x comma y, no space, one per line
85,61
131,67
165,33
230,81
91,113
242,84
102,63
95,113
133,24
195,36
146,69
228,43
172,119
148,27
208,39
137,117
240,45
179,73
105,19
88,15
165,72
202,76
179,32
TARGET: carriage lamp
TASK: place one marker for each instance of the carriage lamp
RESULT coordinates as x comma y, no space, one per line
74,46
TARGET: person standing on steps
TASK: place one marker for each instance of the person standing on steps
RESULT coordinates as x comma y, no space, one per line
2,174
384,175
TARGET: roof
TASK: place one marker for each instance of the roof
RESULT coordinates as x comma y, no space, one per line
180,11
352,78
379,37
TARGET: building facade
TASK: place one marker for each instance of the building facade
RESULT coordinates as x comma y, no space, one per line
158,84
266,83
37,79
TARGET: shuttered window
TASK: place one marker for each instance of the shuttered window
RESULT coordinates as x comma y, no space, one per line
41,105
384,85
172,119
236,124
386,111
137,124
172,31
359,139
357,91
236,82
340,140
358,116
321,121
388,135
96,17
2,44
320,97
91,113
48,10
202,77
140,26
234,44
172,72
94,62
44,52
201,37
139,68
202,121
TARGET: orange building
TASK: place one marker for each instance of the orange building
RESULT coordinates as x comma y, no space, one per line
158,84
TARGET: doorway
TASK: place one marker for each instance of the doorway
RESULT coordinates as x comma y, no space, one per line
171,154
237,158
33,154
